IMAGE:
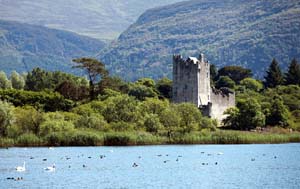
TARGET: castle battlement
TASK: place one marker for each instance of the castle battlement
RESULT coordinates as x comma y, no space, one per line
191,83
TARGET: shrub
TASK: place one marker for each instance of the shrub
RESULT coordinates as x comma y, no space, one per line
28,139
118,139
86,139
152,123
6,142
252,84
6,117
122,126
49,101
120,108
93,121
14,131
50,126
207,123
57,139
144,138
28,119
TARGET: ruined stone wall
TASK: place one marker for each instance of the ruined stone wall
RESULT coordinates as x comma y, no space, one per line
220,103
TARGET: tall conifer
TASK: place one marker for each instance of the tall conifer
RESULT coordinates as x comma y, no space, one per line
274,76
292,77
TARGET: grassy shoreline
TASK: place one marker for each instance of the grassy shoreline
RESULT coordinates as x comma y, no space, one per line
92,138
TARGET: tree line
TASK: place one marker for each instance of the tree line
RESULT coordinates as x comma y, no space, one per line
43,106
273,101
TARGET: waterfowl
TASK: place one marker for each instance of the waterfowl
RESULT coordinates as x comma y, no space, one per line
135,165
19,178
102,156
21,168
52,168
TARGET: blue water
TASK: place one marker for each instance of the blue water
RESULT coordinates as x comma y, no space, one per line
238,166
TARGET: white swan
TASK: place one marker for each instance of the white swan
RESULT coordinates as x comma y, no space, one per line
21,168
52,168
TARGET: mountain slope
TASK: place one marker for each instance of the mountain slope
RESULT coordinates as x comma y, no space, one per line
100,19
23,47
233,32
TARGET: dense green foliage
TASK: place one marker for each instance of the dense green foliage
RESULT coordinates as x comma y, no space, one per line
225,81
56,109
236,73
46,100
274,105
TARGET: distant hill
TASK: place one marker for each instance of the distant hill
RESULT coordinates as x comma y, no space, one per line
102,19
23,47
232,32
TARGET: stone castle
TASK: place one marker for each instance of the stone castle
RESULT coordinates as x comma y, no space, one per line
191,83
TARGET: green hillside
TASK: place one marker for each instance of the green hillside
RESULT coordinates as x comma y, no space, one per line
235,32
101,19
23,47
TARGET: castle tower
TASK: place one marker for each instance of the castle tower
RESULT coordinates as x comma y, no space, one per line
191,83
191,80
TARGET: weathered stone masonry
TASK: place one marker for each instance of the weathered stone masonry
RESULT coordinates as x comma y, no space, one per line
191,83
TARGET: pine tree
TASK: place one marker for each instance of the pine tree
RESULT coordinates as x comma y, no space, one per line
292,77
274,76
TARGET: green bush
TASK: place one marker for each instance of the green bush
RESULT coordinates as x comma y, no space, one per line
93,121
144,138
57,139
28,139
6,142
50,126
47,100
207,123
28,119
152,123
14,131
86,139
122,126
6,117
119,139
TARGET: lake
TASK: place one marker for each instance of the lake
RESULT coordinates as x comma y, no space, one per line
173,166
